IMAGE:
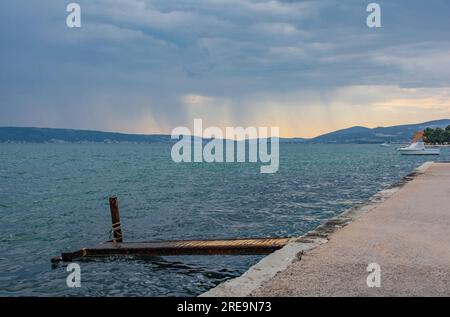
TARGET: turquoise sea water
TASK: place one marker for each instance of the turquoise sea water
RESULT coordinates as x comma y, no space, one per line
55,198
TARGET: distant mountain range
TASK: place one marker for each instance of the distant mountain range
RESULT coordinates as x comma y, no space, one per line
361,135
49,135
394,134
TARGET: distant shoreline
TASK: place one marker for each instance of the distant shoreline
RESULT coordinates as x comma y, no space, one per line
400,134
112,142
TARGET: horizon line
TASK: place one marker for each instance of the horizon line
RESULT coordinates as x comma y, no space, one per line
169,134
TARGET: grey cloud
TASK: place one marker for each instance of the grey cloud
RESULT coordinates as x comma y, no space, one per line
135,57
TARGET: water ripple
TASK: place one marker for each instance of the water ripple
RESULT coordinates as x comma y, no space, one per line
54,198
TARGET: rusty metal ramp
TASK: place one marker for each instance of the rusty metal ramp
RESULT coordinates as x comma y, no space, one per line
179,247
117,247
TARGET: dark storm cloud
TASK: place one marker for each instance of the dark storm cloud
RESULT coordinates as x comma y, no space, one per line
133,62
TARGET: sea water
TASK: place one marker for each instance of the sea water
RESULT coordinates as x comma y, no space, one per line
54,198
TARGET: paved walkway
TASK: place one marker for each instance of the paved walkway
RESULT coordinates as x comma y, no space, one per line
408,235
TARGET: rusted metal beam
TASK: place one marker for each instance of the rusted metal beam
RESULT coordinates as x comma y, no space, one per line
115,218
180,247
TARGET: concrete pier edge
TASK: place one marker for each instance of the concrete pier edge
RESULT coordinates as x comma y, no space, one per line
278,261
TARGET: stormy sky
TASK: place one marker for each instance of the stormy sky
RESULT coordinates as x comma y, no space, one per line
147,66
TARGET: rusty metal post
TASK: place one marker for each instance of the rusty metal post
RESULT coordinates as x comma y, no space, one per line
115,218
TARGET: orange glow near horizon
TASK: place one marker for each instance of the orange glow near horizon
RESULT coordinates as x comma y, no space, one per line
310,129
308,114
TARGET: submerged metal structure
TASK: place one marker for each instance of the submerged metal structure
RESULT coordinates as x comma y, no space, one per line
116,247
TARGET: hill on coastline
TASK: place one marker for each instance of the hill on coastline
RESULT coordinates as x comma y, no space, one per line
49,135
357,134
393,134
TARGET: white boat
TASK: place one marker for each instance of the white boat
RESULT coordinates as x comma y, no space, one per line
385,144
418,148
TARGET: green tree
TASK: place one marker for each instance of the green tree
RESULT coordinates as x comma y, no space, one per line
426,135
438,135
447,135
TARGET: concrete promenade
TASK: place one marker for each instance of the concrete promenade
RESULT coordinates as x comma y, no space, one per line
404,229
